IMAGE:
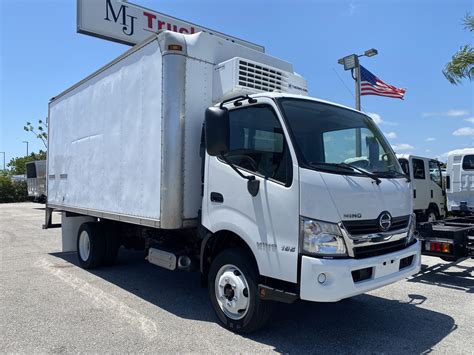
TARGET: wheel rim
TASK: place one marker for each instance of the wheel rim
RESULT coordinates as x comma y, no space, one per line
84,245
232,292
431,217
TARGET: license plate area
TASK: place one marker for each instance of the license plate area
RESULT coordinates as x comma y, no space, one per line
387,267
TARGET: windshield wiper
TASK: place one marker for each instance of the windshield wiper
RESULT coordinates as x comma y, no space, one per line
363,172
393,173
347,167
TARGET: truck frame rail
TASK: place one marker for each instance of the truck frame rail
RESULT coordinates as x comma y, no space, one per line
450,239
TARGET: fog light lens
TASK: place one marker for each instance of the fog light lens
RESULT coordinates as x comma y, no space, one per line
322,278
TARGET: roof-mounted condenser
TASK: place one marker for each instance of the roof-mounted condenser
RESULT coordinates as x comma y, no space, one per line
239,76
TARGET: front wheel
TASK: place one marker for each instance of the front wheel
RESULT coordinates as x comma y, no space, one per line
233,290
431,215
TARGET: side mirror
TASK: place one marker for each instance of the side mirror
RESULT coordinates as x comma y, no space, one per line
217,131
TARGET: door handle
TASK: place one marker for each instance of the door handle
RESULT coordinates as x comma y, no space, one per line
431,193
414,193
217,197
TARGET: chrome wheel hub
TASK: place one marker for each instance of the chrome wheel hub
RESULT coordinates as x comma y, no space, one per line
232,292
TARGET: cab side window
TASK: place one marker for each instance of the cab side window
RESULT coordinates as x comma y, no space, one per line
468,162
435,172
418,169
257,143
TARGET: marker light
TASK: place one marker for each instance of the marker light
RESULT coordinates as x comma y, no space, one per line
175,47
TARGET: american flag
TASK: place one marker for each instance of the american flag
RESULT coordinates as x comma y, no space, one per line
371,85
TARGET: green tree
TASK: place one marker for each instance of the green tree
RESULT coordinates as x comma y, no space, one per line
18,165
40,131
461,65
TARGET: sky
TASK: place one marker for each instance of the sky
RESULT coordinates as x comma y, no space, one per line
41,55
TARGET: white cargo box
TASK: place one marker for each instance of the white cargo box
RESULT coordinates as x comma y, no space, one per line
124,142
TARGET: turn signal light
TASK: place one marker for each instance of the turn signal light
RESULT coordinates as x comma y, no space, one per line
438,247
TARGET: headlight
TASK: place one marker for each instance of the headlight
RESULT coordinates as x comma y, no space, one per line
411,228
321,238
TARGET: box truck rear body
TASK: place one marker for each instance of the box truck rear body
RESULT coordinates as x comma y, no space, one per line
125,142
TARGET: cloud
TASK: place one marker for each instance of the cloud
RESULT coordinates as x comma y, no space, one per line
470,119
375,117
449,113
391,135
430,139
464,131
402,146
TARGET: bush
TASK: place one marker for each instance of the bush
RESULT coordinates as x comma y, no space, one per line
12,191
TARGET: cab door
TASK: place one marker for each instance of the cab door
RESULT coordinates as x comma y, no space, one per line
437,192
420,182
268,222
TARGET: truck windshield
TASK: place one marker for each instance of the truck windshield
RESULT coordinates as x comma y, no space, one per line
338,140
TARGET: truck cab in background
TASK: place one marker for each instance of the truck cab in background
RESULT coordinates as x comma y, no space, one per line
428,190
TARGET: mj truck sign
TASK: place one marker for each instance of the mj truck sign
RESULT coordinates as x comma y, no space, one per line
124,22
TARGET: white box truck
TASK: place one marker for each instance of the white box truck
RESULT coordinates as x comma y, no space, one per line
460,181
428,189
210,156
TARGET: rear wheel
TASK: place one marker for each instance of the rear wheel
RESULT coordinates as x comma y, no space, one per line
90,245
233,290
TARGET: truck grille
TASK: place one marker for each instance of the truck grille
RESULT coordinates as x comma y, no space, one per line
370,226
379,249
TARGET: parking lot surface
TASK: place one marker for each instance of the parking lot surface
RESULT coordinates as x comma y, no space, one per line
49,304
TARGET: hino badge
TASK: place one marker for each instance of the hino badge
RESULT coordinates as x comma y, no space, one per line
210,156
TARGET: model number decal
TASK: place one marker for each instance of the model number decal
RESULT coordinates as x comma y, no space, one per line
266,246
288,248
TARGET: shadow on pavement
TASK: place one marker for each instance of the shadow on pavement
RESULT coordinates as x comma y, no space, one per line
366,323
450,275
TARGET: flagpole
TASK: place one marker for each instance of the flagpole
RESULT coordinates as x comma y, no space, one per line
357,86
357,107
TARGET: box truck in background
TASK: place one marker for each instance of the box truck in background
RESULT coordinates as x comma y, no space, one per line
428,189
210,156
36,180
460,181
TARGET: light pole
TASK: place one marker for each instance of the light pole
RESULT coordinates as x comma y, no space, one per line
3,160
351,62
26,147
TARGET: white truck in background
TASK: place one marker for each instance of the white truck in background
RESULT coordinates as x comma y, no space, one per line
36,180
428,190
460,181
210,156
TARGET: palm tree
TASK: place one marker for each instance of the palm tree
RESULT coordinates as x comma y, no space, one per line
461,65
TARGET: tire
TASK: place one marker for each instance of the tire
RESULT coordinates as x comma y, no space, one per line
233,274
112,245
91,245
431,215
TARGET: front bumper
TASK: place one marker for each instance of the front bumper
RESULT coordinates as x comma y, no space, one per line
339,283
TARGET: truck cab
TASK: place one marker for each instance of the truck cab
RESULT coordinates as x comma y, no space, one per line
332,213
428,189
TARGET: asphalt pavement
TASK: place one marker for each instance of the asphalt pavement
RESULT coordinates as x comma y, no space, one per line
49,304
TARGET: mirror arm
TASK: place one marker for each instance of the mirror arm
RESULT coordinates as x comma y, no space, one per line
228,162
